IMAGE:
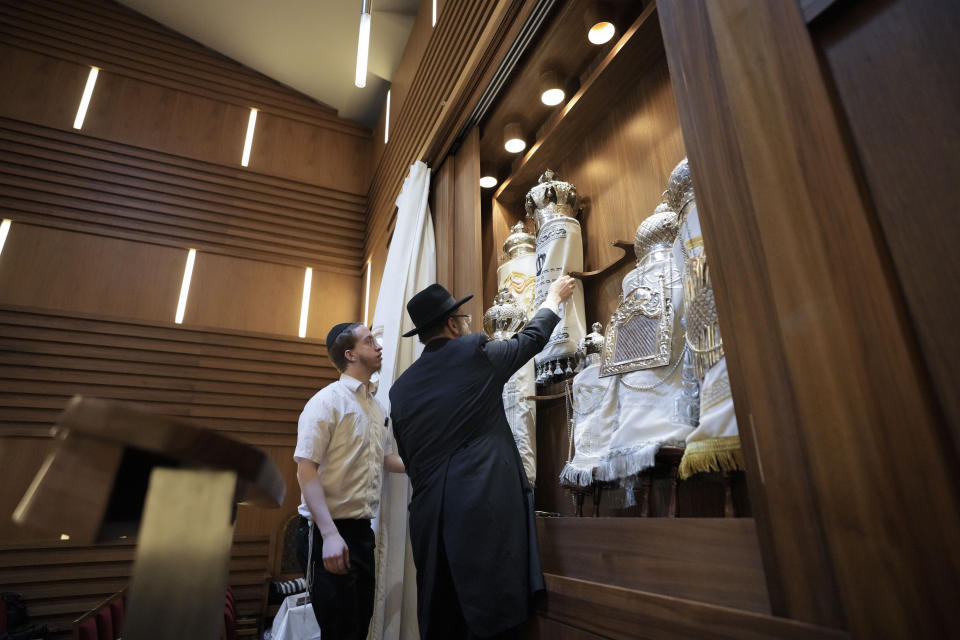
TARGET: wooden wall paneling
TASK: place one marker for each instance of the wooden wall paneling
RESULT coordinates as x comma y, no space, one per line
798,569
552,448
62,580
134,112
252,520
109,35
621,169
57,269
410,59
798,266
334,297
886,63
251,386
28,77
468,261
558,46
71,181
245,295
441,65
21,455
499,32
378,264
712,560
541,628
496,222
311,154
618,613
205,121
603,85
444,215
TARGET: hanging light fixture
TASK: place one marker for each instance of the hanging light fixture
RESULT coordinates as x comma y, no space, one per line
551,89
513,138
599,19
363,45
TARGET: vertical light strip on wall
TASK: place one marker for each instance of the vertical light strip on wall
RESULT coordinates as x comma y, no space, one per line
386,121
363,45
248,142
434,23
85,100
185,286
305,303
4,230
366,298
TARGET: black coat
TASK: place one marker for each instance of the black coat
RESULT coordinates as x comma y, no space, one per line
471,514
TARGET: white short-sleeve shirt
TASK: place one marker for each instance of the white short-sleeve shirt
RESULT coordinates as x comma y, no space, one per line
343,429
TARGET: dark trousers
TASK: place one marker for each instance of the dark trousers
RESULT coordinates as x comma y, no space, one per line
343,604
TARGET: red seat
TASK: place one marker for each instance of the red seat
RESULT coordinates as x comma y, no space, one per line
116,608
87,630
105,624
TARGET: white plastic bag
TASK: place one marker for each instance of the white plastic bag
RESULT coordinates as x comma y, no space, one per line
295,620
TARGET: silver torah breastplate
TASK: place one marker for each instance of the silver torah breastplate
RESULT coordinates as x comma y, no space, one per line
700,308
640,333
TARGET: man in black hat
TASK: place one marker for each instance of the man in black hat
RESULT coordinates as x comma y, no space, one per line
342,449
471,515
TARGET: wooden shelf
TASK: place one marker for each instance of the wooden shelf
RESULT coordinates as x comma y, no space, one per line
639,46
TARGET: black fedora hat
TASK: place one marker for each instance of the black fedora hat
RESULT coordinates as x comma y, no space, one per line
430,305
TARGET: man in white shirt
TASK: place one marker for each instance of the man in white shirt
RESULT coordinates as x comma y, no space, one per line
342,449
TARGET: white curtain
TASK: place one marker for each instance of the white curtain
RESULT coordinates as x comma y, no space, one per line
411,266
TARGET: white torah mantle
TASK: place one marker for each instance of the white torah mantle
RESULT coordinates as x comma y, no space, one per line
518,276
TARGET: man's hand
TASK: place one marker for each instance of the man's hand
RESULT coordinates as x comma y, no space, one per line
336,555
560,290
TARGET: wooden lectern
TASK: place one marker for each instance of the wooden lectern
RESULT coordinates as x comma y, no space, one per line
117,470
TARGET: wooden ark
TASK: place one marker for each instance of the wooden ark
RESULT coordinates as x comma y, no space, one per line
798,122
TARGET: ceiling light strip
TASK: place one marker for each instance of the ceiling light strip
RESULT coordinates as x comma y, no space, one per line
363,45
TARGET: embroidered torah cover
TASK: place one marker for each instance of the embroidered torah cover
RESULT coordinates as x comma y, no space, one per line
560,251
518,275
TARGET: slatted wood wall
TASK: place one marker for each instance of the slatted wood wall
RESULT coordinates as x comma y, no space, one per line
61,581
442,66
102,220
70,181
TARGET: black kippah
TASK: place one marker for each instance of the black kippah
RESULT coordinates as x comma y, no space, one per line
335,332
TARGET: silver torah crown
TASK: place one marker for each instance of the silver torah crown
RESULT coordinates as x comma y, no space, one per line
519,242
505,317
679,191
657,231
551,198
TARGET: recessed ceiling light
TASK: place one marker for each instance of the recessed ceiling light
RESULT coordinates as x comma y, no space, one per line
601,32
488,182
513,138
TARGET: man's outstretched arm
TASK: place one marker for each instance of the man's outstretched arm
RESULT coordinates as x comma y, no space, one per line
508,356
